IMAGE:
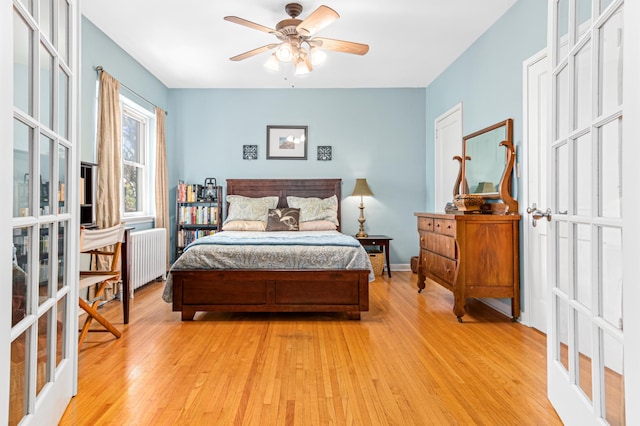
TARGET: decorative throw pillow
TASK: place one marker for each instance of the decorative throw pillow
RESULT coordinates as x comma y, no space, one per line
286,219
316,208
246,208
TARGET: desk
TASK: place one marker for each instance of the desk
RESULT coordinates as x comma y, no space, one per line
381,242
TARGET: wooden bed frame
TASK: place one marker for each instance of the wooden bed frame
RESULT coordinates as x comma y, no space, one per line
267,290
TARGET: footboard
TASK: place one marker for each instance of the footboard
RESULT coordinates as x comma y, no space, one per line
270,291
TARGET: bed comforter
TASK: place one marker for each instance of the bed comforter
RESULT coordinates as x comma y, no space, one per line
272,250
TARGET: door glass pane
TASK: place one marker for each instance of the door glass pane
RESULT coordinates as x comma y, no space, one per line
562,332
611,169
45,174
46,87
584,173
583,15
611,64
613,380
583,341
45,264
562,268
611,275
583,87
63,172
21,171
28,4
18,382
562,105
20,294
63,104
46,19
62,254
604,4
562,179
43,344
63,30
61,330
22,64
583,264
563,29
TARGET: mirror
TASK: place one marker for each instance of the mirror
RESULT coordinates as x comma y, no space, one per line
487,168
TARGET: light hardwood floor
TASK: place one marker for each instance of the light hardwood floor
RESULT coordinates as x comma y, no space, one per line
406,362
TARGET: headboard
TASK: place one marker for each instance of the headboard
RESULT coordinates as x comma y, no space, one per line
320,188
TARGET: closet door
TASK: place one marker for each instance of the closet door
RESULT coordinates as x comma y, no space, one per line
41,317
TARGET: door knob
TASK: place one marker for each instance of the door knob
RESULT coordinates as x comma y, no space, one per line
537,214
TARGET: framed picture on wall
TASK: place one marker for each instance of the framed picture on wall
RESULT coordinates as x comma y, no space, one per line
287,142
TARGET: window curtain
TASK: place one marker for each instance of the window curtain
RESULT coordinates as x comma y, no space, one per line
109,159
162,180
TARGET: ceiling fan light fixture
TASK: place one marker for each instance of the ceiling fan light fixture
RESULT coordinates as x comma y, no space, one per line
302,67
284,53
272,63
317,55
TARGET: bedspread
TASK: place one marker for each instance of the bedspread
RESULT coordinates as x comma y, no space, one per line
272,250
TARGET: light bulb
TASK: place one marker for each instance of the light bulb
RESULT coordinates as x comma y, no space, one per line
284,52
318,56
272,63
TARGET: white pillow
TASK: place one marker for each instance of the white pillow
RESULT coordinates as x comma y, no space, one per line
245,208
244,225
316,208
317,225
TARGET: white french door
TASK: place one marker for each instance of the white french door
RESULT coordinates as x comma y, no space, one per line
585,340
39,108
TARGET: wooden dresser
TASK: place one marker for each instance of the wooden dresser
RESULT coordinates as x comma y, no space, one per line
473,255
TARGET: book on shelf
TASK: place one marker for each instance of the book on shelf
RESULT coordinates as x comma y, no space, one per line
188,193
198,215
186,237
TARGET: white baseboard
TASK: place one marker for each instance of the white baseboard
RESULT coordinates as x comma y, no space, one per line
401,267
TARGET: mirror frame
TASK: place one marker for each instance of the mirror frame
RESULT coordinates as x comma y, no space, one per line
504,186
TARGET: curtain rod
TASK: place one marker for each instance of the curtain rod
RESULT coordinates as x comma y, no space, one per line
99,69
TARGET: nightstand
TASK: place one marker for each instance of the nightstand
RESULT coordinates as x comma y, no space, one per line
381,242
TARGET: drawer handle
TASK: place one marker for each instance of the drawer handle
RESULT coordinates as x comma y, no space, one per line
438,226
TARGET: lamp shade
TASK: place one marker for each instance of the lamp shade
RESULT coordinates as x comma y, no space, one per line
362,188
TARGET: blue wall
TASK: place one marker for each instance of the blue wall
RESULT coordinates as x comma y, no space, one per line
487,77
98,49
374,133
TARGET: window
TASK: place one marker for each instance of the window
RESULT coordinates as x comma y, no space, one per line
136,160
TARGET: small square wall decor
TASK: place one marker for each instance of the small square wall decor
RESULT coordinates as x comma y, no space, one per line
324,153
249,152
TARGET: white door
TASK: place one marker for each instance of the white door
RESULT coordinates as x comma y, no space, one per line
448,137
535,96
40,128
585,340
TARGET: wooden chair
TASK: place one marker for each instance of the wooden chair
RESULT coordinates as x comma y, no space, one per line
105,243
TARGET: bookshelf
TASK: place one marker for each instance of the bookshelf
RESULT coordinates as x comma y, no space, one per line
196,216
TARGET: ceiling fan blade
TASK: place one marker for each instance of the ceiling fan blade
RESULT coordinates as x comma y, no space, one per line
320,18
253,52
341,45
250,24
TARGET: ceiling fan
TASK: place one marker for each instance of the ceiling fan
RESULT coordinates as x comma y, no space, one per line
294,34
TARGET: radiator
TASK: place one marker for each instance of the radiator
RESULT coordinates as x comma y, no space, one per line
148,256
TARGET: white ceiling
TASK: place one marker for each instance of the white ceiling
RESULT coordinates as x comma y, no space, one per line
187,44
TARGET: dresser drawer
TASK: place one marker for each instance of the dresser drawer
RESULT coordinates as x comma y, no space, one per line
424,237
445,226
441,244
440,266
425,224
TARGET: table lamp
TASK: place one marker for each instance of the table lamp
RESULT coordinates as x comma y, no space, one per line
361,189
